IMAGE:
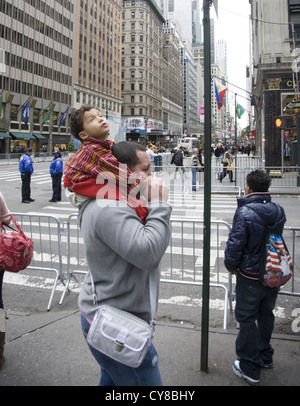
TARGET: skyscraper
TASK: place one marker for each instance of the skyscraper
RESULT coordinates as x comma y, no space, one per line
186,16
37,43
97,62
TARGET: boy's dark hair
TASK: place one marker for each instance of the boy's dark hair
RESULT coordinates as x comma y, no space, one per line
259,181
76,120
126,153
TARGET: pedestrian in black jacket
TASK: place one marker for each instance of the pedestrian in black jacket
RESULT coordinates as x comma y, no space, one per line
177,159
254,302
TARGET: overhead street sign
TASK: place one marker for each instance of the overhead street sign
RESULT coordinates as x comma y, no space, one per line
293,105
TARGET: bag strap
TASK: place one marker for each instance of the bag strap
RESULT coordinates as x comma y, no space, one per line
152,305
264,222
19,228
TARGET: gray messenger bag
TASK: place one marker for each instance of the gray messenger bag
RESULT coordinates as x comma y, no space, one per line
120,335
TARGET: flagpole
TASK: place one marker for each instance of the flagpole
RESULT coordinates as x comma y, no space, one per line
235,129
44,110
24,104
231,84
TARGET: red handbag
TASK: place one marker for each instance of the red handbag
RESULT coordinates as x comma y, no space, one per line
16,249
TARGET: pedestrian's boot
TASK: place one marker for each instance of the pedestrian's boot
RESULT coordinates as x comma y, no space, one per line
2,342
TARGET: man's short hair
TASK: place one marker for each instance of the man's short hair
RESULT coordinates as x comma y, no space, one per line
76,120
126,153
259,181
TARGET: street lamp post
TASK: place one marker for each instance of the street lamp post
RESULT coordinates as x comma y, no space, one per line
207,186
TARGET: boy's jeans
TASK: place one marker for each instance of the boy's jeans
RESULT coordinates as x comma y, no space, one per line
115,374
254,312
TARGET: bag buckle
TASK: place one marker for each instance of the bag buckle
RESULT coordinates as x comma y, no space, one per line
121,339
118,346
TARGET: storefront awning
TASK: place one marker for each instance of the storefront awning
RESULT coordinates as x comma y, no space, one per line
4,136
40,137
23,136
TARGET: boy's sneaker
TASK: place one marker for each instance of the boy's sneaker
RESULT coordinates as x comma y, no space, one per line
237,370
268,366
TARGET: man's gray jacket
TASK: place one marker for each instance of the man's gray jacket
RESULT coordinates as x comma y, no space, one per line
123,255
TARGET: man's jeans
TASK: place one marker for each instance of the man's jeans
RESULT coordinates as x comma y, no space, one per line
254,312
194,179
115,374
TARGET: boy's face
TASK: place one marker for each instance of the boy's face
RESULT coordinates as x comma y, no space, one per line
94,125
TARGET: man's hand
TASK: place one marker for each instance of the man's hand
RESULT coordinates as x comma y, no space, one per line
157,190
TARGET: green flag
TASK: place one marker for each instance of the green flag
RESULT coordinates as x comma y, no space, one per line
239,110
46,119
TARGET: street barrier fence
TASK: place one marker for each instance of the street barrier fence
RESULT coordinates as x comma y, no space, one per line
59,250
284,179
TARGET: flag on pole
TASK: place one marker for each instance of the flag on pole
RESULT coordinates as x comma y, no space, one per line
25,112
220,91
46,119
240,110
63,117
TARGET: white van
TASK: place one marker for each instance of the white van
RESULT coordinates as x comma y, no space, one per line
189,144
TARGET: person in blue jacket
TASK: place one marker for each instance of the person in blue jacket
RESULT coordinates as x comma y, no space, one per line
254,301
56,172
26,169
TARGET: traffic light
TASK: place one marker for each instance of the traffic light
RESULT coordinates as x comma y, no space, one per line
284,122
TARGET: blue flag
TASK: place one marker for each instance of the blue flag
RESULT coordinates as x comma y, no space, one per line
25,112
63,117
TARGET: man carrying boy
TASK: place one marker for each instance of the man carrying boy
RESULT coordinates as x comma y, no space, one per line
254,302
123,249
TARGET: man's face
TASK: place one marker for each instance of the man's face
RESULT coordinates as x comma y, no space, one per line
94,125
144,164
141,172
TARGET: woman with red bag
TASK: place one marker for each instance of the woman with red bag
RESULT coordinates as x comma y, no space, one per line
4,219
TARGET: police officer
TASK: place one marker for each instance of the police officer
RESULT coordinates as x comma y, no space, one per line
56,171
26,169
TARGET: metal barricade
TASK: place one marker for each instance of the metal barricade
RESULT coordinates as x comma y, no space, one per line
291,236
183,260
45,231
181,264
76,260
284,179
180,179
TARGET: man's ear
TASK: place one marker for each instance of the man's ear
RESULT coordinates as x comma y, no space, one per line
248,190
83,135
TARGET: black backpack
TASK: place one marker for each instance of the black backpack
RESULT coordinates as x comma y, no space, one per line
275,261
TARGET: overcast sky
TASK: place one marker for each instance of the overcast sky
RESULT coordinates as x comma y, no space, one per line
233,26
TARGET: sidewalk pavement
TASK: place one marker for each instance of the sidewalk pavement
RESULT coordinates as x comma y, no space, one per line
48,349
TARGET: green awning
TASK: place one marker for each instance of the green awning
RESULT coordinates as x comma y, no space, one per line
4,136
23,136
40,137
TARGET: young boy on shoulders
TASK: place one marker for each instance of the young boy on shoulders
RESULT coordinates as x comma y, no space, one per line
94,160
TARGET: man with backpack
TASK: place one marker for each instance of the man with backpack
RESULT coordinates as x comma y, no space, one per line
254,301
